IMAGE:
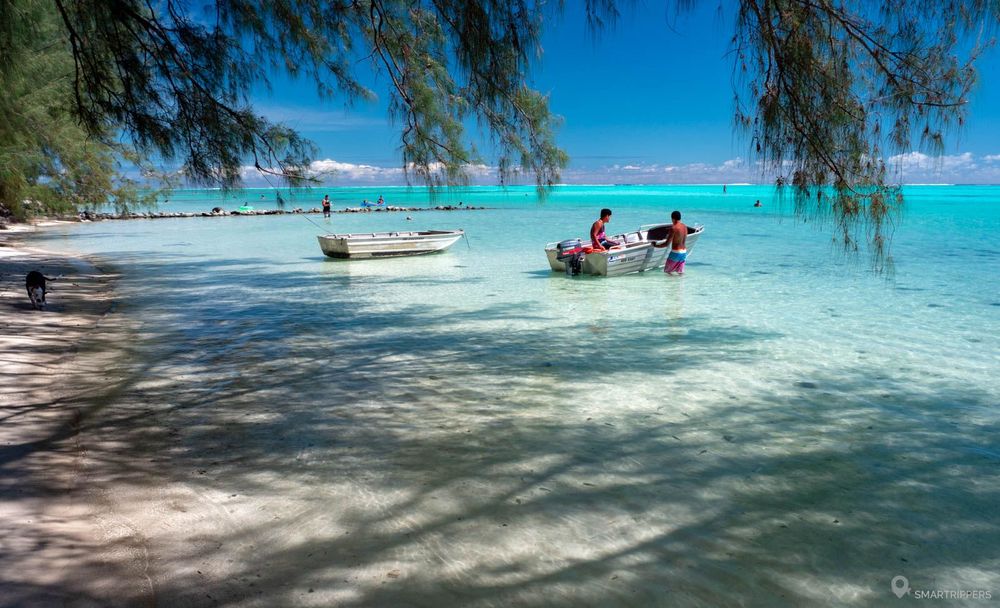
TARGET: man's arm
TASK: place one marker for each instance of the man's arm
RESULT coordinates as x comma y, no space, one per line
667,240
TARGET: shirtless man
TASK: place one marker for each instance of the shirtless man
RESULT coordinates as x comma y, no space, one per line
597,237
676,240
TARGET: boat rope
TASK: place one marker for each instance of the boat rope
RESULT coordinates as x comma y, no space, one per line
325,230
466,237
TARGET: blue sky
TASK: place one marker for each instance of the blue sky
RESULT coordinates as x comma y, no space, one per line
650,101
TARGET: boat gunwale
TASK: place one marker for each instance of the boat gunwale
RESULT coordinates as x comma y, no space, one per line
407,234
699,228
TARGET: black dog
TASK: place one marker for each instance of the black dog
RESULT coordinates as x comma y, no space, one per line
35,284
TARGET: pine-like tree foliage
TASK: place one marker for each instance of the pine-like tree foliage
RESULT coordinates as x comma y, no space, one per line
48,163
829,91
176,76
826,91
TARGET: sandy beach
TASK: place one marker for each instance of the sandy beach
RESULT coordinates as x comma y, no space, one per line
723,329
226,418
56,548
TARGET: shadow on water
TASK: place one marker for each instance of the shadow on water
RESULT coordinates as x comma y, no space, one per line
545,273
343,454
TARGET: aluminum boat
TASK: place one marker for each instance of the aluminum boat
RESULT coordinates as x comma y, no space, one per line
387,244
635,253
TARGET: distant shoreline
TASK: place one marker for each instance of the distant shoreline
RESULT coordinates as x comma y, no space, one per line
90,216
151,215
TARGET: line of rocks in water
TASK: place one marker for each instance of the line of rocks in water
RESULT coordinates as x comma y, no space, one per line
219,212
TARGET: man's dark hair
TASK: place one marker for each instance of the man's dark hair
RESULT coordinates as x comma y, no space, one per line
676,215
605,212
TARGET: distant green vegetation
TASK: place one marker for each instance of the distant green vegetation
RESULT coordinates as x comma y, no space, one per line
98,83
50,163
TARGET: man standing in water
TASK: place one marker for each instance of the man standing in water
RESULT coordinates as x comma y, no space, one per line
598,239
326,206
677,239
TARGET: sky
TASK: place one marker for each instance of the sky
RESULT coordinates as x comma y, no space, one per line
650,101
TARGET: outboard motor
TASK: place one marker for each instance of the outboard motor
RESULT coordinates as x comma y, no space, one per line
571,254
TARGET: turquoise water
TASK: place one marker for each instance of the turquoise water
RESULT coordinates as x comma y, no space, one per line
780,421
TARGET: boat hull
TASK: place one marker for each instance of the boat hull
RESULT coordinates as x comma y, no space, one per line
387,244
638,255
631,258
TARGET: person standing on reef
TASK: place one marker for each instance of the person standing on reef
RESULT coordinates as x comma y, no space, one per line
381,201
597,237
326,206
677,239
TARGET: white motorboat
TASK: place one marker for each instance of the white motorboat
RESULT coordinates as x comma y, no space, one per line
387,244
635,254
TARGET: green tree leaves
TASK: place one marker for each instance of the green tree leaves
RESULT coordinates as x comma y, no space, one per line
825,92
48,162
178,82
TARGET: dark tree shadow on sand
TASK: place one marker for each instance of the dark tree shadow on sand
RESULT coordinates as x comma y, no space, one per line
330,461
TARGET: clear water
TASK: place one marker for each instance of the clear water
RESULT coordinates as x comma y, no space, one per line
779,424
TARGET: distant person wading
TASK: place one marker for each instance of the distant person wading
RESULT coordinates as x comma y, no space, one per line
326,206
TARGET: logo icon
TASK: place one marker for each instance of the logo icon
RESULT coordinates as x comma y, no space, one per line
900,586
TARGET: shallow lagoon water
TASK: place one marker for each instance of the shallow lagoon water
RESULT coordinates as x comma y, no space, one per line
779,426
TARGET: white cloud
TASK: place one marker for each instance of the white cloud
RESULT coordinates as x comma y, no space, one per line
912,167
332,171
919,161
480,170
919,168
910,159
353,172
729,171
